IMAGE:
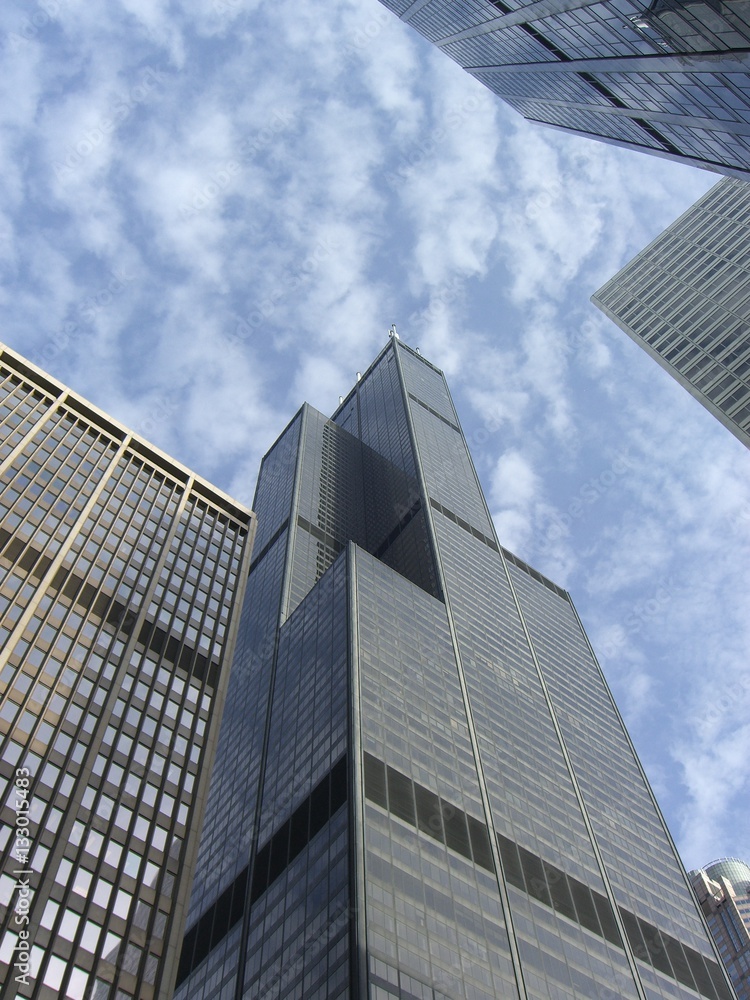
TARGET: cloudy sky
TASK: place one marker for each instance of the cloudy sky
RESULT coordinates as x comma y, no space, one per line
212,211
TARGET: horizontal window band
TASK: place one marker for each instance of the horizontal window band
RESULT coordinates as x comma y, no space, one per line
213,926
535,574
308,819
729,61
182,655
434,412
90,599
319,534
269,544
427,812
30,559
552,887
387,542
270,861
490,542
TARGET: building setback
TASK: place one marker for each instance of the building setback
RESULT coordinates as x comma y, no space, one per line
670,77
723,890
423,788
121,576
685,299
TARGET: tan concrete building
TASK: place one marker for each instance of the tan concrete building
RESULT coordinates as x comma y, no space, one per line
121,581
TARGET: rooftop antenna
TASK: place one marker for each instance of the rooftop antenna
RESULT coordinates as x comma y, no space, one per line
392,332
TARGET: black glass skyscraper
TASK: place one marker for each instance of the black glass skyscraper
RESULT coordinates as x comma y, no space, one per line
423,788
670,77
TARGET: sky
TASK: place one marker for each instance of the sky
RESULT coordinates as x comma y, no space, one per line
213,211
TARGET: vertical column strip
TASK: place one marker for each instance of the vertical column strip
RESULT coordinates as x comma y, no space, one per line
559,734
500,875
115,691
54,407
691,891
286,586
65,547
577,792
173,947
358,946
283,606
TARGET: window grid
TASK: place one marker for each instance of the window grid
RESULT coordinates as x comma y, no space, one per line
103,720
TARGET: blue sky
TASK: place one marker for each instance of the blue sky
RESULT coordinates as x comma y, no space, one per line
211,212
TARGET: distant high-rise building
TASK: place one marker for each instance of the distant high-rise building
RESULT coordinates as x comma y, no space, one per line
723,890
670,77
121,575
423,788
685,299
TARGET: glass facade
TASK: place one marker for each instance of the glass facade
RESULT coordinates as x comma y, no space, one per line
668,77
441,800
120,574
685,299
723,890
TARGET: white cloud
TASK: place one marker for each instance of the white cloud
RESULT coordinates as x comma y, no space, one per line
569,193
320,381
514,482
515,490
